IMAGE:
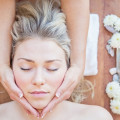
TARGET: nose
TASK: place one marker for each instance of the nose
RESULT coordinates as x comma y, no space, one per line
38,78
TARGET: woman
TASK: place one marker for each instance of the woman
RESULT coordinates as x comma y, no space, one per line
40,59
77,12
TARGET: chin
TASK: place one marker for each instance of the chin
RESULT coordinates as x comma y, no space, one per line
39,104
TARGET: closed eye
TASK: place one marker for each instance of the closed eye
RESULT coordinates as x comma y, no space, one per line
52,69
25,69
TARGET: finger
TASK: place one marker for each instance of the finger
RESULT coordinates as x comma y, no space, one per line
11,94
50,106
68,81
6,88
12,87
15,90
26,105
53,103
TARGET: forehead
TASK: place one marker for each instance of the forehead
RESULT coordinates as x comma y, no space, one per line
37,49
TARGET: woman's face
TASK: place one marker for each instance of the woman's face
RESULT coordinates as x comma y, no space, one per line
39,68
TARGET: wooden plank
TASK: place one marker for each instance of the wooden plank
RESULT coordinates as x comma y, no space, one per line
111,7
105,61
97,6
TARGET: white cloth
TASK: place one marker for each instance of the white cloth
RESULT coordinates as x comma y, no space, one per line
91,67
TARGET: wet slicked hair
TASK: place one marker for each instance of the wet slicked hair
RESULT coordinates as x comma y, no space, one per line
43,19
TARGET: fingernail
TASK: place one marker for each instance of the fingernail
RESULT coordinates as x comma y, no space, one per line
43,116
58,95
20,95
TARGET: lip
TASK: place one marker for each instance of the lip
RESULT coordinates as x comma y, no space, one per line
39,94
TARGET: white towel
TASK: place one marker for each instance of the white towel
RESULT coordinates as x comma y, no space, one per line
91,67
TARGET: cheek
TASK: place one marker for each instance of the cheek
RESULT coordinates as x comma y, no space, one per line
56,80
20,79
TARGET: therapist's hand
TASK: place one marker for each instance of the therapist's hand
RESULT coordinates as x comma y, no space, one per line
72,77
7,80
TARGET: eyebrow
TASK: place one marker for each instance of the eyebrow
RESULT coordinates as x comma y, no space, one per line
48,61
25,59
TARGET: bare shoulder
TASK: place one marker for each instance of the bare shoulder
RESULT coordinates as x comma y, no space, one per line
99,113
87,112
6,110
4,107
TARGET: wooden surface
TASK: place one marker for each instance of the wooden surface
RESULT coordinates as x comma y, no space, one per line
105,62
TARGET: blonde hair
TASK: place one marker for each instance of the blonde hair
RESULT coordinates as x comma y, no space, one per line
45,19
42,19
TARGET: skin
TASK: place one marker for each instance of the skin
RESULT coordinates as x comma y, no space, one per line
7,11
37,68
76,24
74,112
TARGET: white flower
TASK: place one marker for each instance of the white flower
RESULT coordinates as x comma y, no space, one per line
109,20
117,25
113,90
115,40
115,106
